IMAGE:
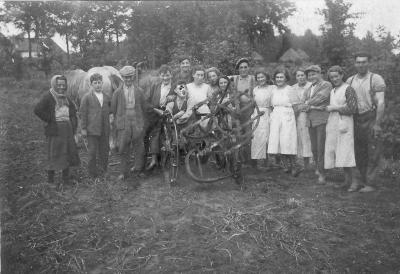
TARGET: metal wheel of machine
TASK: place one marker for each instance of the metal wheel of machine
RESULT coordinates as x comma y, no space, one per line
170,152
200,171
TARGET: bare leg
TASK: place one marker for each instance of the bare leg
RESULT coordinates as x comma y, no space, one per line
295,168
306,163
349,180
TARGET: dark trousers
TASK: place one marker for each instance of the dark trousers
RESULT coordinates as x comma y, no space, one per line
127,143
98,150
51,174
244,117
153,135
368,149
317,136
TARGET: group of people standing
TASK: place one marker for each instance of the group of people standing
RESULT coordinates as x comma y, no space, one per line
336,123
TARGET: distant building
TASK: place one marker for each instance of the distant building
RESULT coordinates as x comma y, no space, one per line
257,58
38,48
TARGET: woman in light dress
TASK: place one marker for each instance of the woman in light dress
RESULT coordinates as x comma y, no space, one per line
303,136
339,142
283,133
262,97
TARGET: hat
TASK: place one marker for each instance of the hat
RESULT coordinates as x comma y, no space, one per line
241,60
127,71
314,68
183,58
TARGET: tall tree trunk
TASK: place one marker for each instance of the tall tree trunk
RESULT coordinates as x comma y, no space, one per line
67,41
37,34
153,54
29,44
117,36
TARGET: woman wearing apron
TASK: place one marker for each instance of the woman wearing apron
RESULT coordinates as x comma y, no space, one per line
262,96
339,142
283,134
303,136
59,114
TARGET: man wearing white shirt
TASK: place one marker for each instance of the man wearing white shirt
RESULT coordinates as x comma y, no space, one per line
94,112
198,92
158,100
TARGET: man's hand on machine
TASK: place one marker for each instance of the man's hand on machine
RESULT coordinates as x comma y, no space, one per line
161,112
182,120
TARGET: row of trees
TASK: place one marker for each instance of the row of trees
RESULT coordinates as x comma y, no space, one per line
212,32
157,30
81,23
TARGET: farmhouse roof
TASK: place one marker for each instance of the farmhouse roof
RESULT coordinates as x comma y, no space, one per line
291,55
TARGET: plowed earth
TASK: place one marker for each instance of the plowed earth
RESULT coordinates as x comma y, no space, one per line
278,224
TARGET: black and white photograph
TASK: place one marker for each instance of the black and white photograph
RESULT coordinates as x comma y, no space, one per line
242,136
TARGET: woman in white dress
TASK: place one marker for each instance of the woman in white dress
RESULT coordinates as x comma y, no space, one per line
339,142
303,136
283,134
262,97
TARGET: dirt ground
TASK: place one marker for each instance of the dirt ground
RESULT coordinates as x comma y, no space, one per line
278,224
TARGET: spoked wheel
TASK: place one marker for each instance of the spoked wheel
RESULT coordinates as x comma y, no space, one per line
202,171
170,152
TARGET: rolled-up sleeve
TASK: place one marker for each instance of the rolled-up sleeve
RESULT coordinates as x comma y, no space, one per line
378,84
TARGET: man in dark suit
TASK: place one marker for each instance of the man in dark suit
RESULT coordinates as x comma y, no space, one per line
316,100
95,111
129,108
157,100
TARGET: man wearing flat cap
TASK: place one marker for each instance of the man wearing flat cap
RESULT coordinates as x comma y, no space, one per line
129,107
316,100
244,83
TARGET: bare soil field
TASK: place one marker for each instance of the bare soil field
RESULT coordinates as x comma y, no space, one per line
277,224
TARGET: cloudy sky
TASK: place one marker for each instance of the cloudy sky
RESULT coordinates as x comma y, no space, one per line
375,13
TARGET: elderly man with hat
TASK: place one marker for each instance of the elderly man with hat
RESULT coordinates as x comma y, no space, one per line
129,107
316,101
244,83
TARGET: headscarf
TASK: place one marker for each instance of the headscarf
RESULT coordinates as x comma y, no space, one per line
61,99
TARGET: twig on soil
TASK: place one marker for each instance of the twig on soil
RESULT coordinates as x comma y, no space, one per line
327,230
229,253
56,241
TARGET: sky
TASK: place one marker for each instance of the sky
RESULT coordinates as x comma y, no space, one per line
375,13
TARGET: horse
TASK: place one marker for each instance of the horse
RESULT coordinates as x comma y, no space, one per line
79,84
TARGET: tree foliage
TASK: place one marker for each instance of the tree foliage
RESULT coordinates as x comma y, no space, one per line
338,28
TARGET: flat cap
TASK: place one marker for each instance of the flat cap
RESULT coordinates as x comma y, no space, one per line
314,68
127,71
